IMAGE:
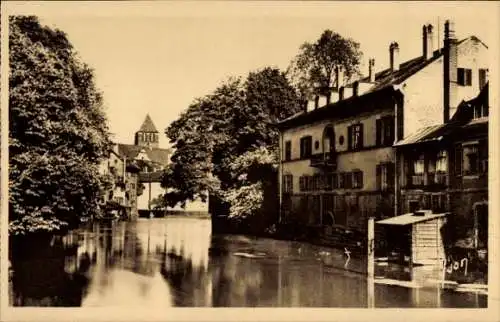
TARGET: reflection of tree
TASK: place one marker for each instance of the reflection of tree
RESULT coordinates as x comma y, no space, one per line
187,280
40,278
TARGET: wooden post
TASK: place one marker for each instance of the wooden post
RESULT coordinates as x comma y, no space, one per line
371,246
476,227
149,202
371,263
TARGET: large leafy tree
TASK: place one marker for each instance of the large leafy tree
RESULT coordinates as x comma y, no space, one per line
217,136
58,132
313,70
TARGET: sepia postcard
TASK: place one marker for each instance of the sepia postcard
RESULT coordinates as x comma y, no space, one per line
249,161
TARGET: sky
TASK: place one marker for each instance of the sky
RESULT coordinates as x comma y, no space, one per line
157,57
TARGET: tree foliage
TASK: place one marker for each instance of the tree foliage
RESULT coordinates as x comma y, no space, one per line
313,69
226,135
58,132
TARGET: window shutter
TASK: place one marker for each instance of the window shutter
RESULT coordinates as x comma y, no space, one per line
379,132
378,172
460,76
349,137
391,131
335,181
458,160
469,77
482,78
361,136
390,174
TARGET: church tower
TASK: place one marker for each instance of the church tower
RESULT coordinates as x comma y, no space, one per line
148,135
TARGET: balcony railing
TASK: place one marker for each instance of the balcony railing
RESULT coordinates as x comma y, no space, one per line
441,178
327,159
417,180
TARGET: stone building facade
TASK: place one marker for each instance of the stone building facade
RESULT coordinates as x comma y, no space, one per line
338,165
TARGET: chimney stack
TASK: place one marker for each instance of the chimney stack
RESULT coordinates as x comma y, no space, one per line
371,70
339,74
449,71
428,41
394,55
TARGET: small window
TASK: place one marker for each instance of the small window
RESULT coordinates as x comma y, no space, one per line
288,183
442,162
385,131
418,165
471,160
475,158
385,176
288,150
316,145
355,136
357,179
464,76
305,147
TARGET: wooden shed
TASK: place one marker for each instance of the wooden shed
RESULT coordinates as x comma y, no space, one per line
416,235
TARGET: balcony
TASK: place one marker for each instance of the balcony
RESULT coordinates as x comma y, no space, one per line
441,178
417,180
321,160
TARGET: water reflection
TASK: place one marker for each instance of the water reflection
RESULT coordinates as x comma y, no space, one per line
169,262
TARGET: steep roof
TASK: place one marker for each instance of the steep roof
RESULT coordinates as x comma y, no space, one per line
406,69
148,125
384,79
353,105
461,122
157,155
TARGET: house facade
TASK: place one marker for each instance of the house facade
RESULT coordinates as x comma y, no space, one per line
445,169
338,165
122,194
152,161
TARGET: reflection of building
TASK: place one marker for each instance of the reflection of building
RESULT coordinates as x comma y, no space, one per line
122,194
338,165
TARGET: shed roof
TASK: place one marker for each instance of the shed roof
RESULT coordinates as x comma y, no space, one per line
425,134
409,219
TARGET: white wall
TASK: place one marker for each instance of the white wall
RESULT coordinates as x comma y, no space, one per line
157,190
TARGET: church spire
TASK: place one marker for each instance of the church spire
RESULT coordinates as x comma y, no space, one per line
148,135
148,125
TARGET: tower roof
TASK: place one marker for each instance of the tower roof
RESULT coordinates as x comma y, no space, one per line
148,125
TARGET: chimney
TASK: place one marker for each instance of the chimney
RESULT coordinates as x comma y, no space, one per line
394,55
449,70
339,74
428,41
371,70
355,89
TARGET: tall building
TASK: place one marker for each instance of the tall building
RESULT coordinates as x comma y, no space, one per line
148,135
152,160
338,163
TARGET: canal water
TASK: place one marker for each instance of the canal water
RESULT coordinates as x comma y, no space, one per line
176,262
